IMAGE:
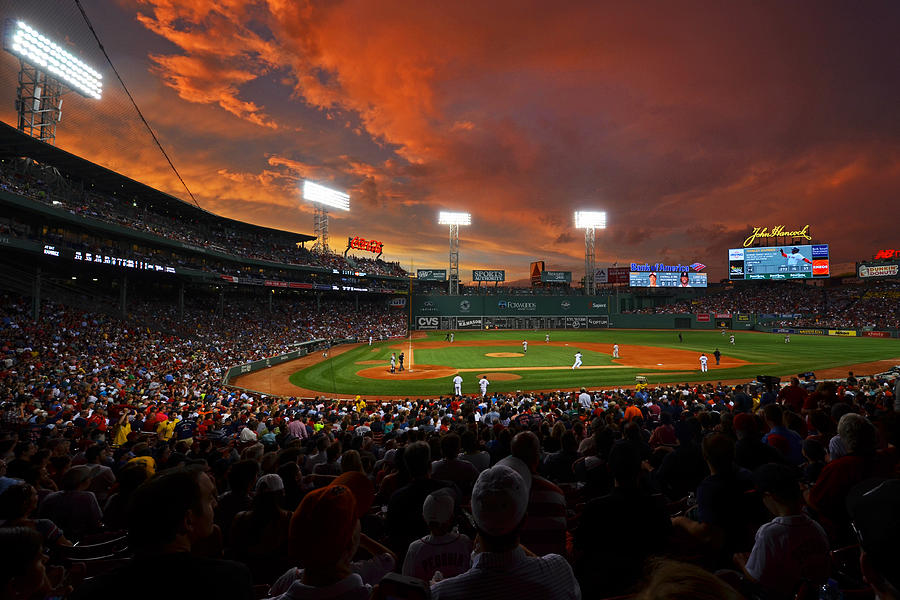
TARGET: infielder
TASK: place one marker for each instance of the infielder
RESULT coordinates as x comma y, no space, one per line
577,360
457,386
483,383
525,346
703,361
615,351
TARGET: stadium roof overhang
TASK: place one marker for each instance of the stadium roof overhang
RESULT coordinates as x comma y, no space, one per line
14,143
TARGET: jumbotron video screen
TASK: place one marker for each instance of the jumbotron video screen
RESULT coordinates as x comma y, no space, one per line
779,262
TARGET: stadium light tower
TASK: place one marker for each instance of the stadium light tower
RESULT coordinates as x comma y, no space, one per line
323,197
46,72
454,220
590,221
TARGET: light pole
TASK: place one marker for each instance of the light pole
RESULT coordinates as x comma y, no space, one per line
589,221
46,72
454,220
323,197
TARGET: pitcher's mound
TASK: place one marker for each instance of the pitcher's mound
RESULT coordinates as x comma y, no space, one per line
504,354
418,372
501,376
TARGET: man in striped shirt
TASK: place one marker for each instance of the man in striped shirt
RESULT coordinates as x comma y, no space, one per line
501,567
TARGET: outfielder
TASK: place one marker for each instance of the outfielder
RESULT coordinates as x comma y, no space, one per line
457,385
731,339
577,360
703,361
615,351
370,340
547,339
525,346
787,338
483,383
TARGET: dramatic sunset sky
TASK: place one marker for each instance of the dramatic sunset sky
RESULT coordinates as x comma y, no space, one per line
688,122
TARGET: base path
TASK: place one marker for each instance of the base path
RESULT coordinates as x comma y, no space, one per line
630,356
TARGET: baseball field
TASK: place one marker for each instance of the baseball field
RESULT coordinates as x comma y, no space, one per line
431,361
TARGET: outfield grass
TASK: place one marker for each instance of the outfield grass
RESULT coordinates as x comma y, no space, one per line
804,353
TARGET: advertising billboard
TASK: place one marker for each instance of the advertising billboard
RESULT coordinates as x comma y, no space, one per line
431,274
878,270
556,276
779,262
685,279
488,275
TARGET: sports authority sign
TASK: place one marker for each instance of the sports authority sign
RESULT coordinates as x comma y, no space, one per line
870,270
488,275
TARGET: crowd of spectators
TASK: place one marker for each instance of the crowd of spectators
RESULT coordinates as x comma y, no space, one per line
119,437
873,305
212,232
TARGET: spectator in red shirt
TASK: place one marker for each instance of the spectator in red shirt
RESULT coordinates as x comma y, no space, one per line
793,395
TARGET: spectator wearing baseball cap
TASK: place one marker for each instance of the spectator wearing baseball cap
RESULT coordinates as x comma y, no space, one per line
324,535
74,509
502,568
442,549
259,536
874,508
791,548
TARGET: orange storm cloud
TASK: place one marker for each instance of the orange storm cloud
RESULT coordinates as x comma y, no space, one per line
688,123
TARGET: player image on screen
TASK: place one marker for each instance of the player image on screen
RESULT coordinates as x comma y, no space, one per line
795,258
685,281
652,280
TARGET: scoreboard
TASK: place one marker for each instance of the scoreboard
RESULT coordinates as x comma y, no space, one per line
779,262
666,279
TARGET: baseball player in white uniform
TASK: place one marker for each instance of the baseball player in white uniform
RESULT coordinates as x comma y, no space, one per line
370,340
457,385
525,346
393,362
615,351
451,337
547,338
731,339
703,361
787,338
577,360
483,383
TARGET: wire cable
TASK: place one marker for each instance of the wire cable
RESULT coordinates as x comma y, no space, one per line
133,103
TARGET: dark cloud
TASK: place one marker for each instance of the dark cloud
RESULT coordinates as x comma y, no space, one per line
687,122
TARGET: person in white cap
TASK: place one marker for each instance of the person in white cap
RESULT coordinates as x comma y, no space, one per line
501,567
443,551
457,385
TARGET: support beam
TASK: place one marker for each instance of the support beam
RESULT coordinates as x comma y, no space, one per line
454,260
36,296
123,297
